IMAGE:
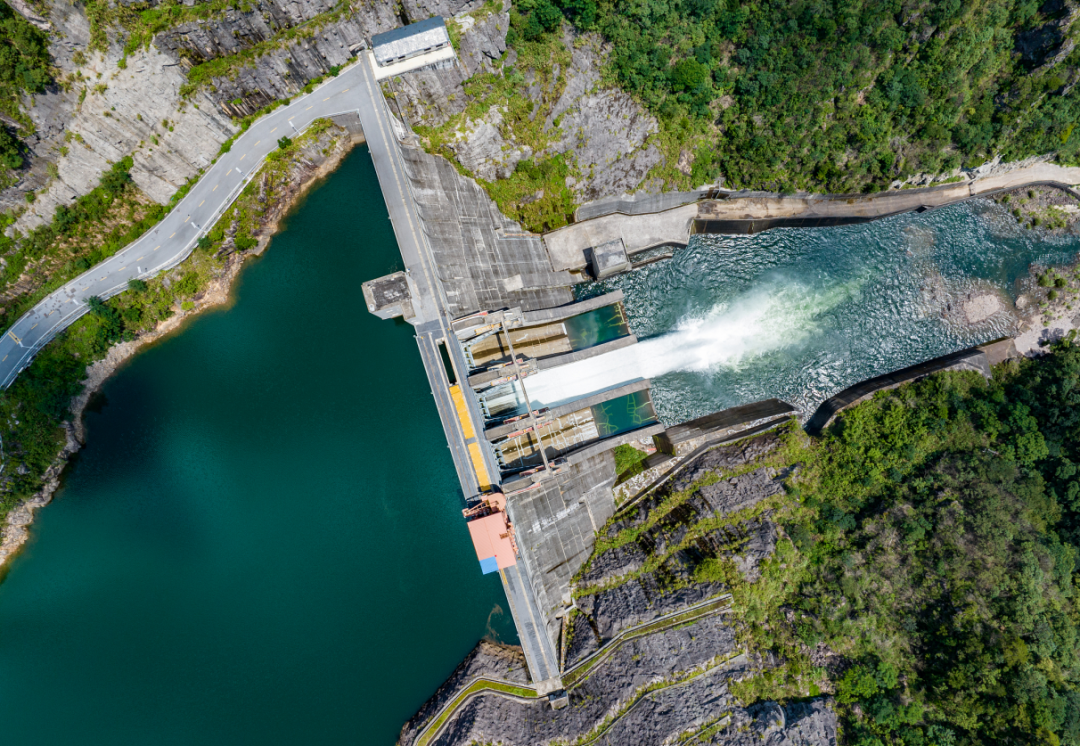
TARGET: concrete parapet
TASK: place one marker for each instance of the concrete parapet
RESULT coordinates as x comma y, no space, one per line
971,359
547,315
573,357
603,396
686,436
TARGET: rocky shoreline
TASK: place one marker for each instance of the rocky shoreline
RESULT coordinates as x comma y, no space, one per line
311,165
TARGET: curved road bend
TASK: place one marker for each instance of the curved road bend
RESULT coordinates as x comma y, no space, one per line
174,237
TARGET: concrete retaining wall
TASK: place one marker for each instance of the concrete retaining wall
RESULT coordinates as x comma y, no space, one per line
972,359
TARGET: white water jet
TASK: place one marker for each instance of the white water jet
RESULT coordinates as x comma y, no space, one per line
765,320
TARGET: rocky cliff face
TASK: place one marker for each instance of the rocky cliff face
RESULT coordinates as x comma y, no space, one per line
603,131
670,681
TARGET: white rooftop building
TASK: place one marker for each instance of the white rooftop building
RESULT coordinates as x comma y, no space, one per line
410,41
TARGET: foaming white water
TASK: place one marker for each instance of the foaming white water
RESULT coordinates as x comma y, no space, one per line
759,322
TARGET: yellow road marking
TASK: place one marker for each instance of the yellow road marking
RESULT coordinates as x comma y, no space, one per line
273,130
140,257
202,203
309,107
243,156
123,268
345,90
258,141
326,99
185,220
12,335
5,358
158,247
215,187
102,277
34,326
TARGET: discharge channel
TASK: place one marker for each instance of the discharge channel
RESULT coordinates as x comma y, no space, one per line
801,314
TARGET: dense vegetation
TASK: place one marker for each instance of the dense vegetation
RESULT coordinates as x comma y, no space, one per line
836,95
24,68
933,550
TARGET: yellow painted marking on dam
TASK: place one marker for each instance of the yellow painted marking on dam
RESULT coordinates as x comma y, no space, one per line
467,430
462,411
482,478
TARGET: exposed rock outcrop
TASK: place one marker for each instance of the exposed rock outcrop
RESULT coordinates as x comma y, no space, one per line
605,133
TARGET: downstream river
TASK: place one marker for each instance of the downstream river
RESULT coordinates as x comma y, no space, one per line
262,541
800,314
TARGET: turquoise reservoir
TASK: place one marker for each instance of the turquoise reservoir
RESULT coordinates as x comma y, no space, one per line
262,541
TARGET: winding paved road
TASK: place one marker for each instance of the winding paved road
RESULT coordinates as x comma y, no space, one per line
354,90
174,237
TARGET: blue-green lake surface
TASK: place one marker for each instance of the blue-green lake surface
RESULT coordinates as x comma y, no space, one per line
262,541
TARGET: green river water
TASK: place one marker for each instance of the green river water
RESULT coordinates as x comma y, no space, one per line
262,541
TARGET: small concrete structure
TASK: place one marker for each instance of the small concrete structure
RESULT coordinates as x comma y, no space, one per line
389,297
410,41
609,258
559,699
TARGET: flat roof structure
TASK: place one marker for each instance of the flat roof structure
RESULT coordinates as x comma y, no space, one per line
491,539
410,41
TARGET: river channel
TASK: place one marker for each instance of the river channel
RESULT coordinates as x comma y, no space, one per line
262,541
800,314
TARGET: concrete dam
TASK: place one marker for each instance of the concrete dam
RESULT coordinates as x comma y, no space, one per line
537,382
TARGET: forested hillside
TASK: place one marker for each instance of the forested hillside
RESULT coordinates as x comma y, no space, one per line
838,96
24,69
930,575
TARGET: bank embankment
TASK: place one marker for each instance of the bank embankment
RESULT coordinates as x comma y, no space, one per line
150,314
753,212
